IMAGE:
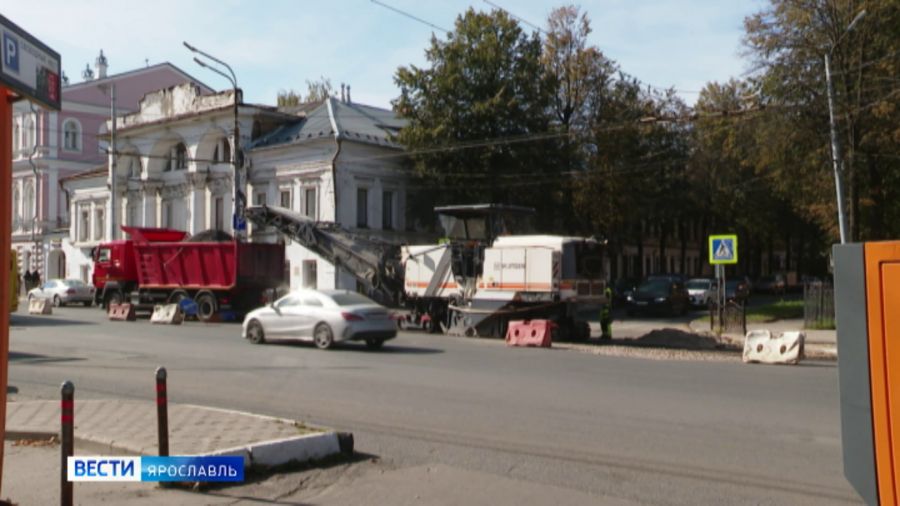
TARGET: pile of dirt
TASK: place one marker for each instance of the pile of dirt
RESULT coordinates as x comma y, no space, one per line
678,339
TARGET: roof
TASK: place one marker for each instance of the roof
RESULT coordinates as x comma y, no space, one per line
352,122
112,77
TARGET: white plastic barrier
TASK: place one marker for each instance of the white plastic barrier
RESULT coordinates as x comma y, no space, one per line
760,346
39,305
169,314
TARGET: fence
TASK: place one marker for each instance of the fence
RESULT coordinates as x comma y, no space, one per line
818,305
734,318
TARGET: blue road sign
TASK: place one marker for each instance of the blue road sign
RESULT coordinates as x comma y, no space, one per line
723,249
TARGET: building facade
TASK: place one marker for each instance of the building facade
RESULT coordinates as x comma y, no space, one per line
49,146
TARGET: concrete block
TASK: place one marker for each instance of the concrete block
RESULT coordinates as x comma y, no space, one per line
40,306
169,314
762,347
295,449
530,333
121,312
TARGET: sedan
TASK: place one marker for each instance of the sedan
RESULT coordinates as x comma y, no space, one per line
64,291
702,291
659,295
323,317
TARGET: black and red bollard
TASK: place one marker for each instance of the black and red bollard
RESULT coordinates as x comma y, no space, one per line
67,420
162,412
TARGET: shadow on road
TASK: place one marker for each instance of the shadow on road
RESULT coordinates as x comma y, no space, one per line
34,358
354,347
19,320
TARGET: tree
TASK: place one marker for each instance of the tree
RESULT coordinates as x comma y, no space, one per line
315,91
477,116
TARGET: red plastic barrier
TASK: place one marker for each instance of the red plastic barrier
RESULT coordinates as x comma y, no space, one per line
121,312
530,333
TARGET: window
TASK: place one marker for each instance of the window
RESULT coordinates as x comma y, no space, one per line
17,136
133,215
312,301
387,210
310,274
362,207
226,150
84,224
177,158
99,223
132,166
310,203
16,196
260,199
288,301
219,213
71,135
285,197
167,214
28,205
103,255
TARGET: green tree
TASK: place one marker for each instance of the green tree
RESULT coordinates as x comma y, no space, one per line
477,116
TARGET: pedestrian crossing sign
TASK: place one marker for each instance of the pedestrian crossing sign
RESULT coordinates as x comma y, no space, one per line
723,249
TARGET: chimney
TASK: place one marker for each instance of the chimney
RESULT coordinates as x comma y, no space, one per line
348,93
87,74
100,65
343,96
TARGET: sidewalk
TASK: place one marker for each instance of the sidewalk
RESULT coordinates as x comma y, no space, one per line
130,428
818,343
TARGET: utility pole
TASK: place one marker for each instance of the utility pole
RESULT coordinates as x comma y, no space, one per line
239,222
836,153
113,152
835,138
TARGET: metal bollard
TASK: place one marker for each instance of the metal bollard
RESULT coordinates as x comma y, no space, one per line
162,412
67,445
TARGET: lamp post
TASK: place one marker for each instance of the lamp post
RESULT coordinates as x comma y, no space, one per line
835,139
239,223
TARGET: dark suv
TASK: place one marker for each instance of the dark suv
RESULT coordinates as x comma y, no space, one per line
659,295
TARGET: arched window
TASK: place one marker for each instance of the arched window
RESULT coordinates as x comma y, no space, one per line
16,197
28,134
17,136
132,166
28,205
102,144
226,150
71,135
177,157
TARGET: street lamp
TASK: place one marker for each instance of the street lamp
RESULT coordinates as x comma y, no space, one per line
237,157
835,140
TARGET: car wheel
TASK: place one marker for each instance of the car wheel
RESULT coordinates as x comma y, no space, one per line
323,337
255,332
56,301
374,344
114,297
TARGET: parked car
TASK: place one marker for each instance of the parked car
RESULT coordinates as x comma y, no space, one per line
737,290
775,284
323,317
659,295
702,291
64,291
622,288
676,278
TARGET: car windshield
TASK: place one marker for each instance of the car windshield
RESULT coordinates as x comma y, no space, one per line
657,287
73,283
350,299
697,284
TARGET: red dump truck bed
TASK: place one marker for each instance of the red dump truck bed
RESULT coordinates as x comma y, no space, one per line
208,265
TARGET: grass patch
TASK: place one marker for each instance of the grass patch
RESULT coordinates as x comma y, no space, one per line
823,325
782,310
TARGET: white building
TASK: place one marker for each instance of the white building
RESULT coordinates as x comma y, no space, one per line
49,146
331,160
337,162
174,169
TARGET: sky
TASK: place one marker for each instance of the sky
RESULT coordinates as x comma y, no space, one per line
275,45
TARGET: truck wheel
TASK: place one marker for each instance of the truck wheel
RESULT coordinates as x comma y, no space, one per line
114,297
323,337
206,306
255,333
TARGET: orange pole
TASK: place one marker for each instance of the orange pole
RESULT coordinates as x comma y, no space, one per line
5,238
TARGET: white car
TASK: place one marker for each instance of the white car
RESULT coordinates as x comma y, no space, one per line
702,291
64,291
323,317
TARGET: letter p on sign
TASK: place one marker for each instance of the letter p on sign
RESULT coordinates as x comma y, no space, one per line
10,53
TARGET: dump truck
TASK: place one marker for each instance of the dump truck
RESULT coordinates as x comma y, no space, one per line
162,266
482,274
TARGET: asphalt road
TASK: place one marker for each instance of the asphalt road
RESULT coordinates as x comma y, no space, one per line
653,432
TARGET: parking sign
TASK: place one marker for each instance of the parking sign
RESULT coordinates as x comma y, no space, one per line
723,249
28,66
